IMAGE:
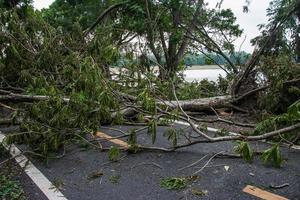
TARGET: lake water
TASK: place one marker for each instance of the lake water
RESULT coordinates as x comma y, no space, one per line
195,73
198,73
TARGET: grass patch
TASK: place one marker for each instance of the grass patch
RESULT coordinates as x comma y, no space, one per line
173,183
10,187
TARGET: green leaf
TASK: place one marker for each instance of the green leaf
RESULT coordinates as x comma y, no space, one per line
114,154
152,130
173,183
171,134
243,148
273,156
132,139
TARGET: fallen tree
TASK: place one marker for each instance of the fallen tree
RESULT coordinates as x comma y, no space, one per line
58,93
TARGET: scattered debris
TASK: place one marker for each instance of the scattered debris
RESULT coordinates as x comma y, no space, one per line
58,184
173,183
114,154
279,186
109,138
199,192
115,179
94,175
255,191
177,183
205,165
226,167
194,163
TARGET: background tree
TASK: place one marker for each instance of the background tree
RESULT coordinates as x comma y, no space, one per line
168,29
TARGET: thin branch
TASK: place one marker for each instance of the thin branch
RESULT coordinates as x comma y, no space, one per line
207,163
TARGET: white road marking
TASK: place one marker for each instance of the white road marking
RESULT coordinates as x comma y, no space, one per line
49,190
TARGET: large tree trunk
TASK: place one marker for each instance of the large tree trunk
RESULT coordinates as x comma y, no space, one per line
197,105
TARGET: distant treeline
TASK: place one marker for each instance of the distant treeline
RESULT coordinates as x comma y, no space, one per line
212,59
194,59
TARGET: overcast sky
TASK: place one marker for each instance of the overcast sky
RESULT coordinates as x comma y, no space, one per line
247,21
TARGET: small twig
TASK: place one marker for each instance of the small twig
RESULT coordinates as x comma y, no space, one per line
194,163
113,161
279,186
220,165
8,107
207,163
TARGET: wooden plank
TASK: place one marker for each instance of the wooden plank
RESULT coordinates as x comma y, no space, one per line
115,141
255,191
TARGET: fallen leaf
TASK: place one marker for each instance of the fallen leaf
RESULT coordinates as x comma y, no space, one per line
95,175
199,192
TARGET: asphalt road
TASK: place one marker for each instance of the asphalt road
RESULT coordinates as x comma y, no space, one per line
138,176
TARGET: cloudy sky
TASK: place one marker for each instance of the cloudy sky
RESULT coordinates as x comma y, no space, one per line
247,21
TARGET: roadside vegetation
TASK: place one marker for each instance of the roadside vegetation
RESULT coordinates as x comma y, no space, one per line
10,188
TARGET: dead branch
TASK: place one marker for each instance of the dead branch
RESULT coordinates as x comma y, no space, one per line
13,97
193,164
207,163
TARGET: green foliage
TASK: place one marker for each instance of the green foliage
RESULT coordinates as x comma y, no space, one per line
177,183
10,189
10,186
174,183
114,154
64,14
213,59
279,95
285,41
132,139
289,118
273,156
171,134
152,128
222,132
244,149
115,179
147,100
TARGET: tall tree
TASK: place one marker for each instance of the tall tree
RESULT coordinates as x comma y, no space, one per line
285,16
168,29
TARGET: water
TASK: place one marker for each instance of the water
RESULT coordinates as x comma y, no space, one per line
195,73
198,73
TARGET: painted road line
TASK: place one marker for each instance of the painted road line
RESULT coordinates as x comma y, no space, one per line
49,190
